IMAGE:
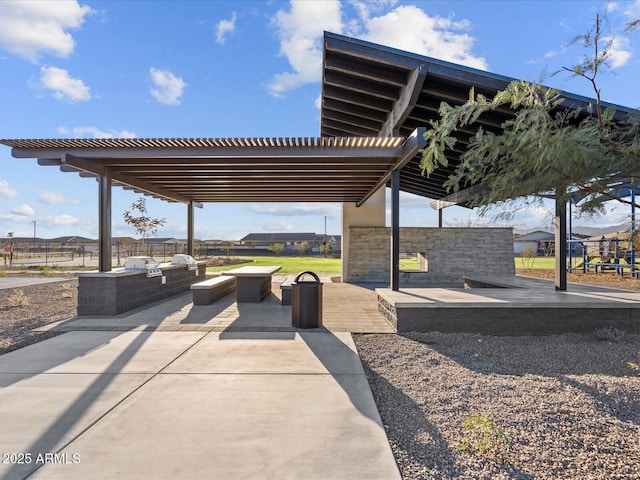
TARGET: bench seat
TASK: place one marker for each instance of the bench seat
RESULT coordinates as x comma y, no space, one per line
285,290
208,291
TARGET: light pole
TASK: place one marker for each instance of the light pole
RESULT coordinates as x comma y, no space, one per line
34,237
325,236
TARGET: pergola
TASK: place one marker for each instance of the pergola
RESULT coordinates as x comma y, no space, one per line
376,103
194,171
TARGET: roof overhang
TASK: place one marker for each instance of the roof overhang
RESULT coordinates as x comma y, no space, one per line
372,90
203,170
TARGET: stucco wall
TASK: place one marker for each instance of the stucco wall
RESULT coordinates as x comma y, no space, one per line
451,253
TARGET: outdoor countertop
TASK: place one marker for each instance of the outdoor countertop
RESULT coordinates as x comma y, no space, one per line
264,271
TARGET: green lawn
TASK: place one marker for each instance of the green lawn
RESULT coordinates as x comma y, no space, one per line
333,265
291,264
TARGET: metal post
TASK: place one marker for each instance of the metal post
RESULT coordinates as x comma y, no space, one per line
570,252
104,228
632,242
560,224
395,230
34,238
190,229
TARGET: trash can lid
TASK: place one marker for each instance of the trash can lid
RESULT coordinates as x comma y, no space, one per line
301,274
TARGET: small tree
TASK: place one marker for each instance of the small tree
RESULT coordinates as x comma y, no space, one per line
326,248
528,256
143,224
276,248
302,247
545,148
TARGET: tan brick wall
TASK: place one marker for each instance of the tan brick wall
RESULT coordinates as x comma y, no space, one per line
451,253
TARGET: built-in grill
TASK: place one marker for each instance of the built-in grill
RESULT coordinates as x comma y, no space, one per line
149,264
188,260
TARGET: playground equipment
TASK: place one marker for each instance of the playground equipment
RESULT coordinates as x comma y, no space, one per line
608,254
613,254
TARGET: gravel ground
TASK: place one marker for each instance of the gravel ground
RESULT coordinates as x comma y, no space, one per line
553,407
47,303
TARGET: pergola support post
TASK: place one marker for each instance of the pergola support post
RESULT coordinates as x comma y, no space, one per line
104,227
190,229
395,230
560,224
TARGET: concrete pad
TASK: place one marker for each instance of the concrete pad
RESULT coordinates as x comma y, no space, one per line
192,405
99,352
43,413
235,426
271,352
19,282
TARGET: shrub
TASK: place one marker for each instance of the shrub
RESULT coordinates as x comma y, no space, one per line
67,290
483,438
18,299
528,256
47,271
635,366
609,334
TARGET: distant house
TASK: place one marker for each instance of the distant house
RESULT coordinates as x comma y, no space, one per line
262,241
542,242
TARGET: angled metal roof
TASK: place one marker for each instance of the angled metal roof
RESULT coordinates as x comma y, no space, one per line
232,169
372,90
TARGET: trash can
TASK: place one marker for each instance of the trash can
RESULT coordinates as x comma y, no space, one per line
306,302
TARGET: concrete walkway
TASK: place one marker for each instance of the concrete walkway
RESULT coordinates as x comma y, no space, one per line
19,282
181,391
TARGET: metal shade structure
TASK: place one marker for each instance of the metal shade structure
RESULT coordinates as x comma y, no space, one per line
202,170
198,170
373,90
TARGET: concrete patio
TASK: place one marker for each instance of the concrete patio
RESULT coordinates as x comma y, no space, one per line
182,391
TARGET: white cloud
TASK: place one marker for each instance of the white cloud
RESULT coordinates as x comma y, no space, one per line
301,41
6,191
410,28
63,86
275,225
94,132
632,10
620,51
406,27
24,210
224,27
52,198
297,209
31,28
168,88
60,221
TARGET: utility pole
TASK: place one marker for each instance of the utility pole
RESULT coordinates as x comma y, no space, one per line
325,236
34,237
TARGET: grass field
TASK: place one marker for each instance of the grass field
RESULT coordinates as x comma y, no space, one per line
291,264
333,265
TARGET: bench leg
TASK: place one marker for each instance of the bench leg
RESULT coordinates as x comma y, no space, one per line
253,289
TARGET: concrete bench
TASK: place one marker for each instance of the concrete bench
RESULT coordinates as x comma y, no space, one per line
285,290
207,292
254,283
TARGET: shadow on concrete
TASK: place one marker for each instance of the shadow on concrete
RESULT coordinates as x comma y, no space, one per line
49,440
333,354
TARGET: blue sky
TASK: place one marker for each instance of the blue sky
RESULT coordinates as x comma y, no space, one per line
84,69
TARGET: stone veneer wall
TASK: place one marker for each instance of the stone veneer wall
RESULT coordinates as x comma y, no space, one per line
451,253
112,293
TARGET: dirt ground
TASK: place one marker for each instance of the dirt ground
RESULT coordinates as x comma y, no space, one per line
606,279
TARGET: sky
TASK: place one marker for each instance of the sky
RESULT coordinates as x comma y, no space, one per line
95,69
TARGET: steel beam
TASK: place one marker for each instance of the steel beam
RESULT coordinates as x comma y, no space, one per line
190,229
104,227
560,224
395,230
